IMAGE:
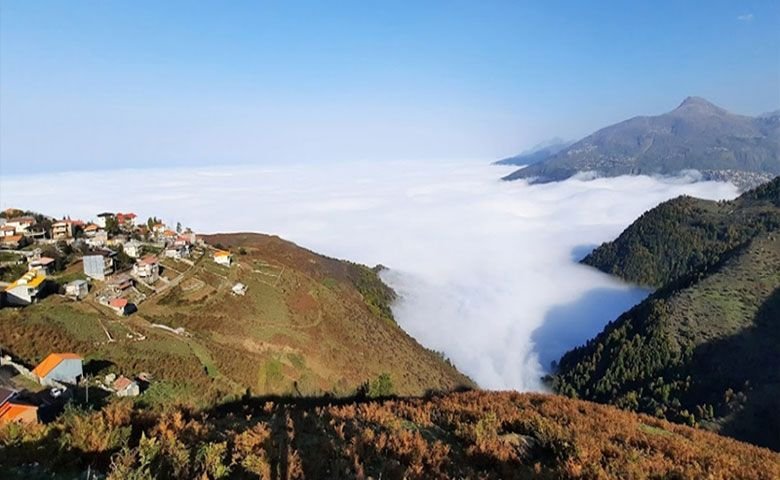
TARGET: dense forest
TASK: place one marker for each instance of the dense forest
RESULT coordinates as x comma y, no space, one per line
703,348
465,435
686,235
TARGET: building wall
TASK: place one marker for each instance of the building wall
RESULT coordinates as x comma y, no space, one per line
18,296
68,371
94,266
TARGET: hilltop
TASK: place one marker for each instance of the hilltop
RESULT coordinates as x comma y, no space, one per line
465,435
703,348
696,135
685,235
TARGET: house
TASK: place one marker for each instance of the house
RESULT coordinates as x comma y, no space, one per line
91,230
99,265
12,242
239,289
42,265
177,252
119,305
26,290
133,248
59,368
20,224
102,217
11,410
182,240
124,387
126,221
169,236
77,289
119,283
6,231
223,257
147,268
65,228
98,240
158,228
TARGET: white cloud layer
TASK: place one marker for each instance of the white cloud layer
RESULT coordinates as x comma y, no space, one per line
486,269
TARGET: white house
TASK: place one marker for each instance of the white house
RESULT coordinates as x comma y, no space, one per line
20,224
77,289
124,387
177,252
133,248
239,289
147,268
26,289
99,239
101,219
42,265
59,368
223,258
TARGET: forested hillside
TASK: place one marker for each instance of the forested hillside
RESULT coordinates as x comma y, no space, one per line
703,348
685,235
486,435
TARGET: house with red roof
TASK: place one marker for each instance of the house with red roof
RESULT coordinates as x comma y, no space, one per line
126,220
124,387
119,305
59,368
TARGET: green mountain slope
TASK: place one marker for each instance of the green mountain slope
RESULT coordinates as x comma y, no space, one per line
307,325
696,135
701,349
684,235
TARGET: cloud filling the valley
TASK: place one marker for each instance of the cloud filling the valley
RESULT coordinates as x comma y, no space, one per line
486,270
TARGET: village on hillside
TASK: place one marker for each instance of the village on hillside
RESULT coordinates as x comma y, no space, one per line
114,263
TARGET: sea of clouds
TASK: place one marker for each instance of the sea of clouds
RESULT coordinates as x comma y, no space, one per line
486,270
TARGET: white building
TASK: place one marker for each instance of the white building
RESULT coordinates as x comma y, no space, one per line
77,289
147,268
124,387
223,258
133,248
26,289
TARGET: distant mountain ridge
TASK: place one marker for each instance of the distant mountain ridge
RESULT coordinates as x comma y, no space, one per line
537,153
696,135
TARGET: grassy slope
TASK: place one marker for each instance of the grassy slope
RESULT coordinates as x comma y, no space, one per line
681,351
468,435
685,235
307,325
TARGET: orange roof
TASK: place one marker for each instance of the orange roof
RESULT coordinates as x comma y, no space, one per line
118,303
122,382
49,363
11,411
11,239
221,253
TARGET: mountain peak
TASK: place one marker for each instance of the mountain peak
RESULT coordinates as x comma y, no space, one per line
699,105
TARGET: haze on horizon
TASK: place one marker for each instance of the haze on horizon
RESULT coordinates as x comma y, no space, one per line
107,85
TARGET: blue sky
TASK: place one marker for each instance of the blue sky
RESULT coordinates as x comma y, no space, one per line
87,85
